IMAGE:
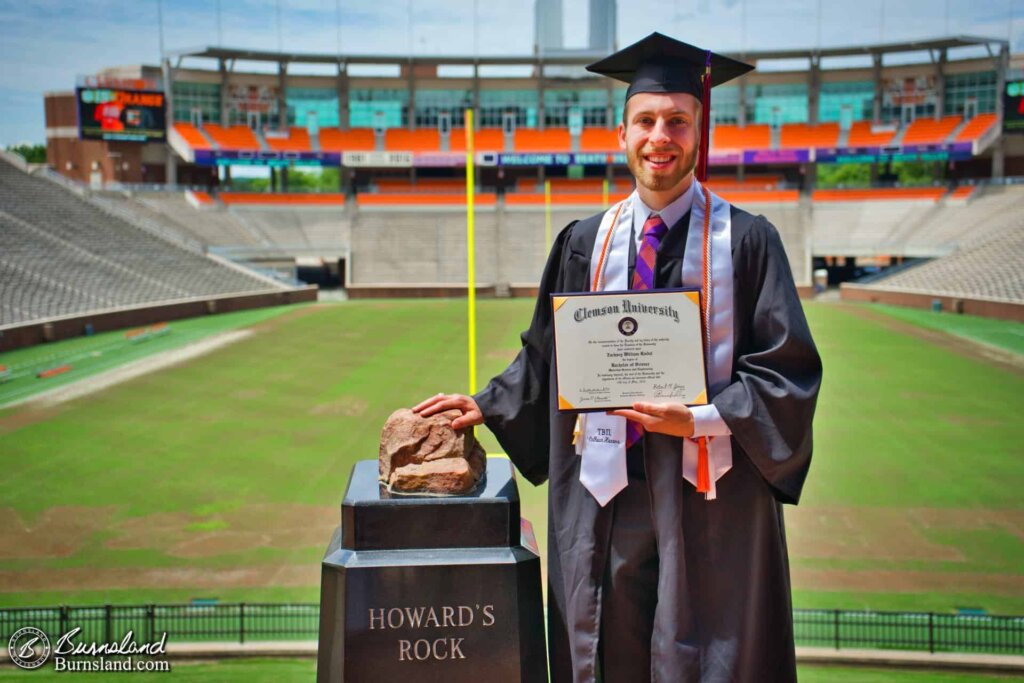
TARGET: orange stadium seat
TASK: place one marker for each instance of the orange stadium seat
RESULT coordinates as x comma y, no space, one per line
749,183
354,140
191,135
550,140
805,136
391,199
526,185
930,131
283,198
760,196
976,127
727,137
484,140
202,197
297,141
962,192
422,185
402,140
232,137
879,193
576,184
599,140
862,136
536,198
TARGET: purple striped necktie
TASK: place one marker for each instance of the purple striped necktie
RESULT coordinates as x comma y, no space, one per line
643,279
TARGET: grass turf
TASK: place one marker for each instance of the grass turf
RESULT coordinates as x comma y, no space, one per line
279,418
283,670
999,333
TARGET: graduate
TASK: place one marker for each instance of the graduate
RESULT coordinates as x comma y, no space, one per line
667,550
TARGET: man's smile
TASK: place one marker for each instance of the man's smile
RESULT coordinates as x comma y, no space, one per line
659,160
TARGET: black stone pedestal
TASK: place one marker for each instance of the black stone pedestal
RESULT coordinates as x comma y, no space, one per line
418,589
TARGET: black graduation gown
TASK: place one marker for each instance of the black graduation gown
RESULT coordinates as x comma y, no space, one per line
724,610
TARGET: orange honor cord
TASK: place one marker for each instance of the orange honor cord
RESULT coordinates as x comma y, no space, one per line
599,271
703,468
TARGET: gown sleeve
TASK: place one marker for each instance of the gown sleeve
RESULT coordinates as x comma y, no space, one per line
770,404
515,404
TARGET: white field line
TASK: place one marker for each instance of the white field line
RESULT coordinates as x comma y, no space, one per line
129,371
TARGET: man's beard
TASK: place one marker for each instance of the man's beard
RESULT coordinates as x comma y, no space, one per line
659,182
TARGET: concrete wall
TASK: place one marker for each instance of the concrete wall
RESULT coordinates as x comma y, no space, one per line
407,246
14,337
1003,310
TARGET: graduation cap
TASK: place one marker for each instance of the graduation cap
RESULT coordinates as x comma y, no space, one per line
659,64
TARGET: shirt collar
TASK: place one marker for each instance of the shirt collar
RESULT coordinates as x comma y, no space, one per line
670,214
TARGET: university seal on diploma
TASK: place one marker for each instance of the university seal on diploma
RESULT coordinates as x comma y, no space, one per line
615,348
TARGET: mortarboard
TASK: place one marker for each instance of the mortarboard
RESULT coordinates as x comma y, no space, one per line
660,64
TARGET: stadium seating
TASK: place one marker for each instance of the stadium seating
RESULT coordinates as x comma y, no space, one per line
963,192
930,131
729,138
283,198
989,269
191,135
550,140
60,254
749,183
213,227
743,197
402,140
879,193
232,137
297,140
599,140
354,140
427,185
804,136
861,135
484,140
424,198
976,127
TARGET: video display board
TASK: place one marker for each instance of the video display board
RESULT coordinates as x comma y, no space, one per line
1013,107
120,114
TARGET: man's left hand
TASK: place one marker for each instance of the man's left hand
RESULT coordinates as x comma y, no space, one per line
674,419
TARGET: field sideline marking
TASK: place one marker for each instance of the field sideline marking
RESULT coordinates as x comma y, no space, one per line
129,371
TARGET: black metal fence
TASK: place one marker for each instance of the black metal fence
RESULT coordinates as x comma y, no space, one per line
243,622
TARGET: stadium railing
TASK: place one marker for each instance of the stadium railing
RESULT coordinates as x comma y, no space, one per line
241,622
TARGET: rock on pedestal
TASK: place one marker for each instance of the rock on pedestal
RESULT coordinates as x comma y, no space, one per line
424,589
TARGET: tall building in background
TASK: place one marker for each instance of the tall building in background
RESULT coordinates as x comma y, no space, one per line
602,26
547,29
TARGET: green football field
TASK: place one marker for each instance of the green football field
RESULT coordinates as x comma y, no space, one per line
283,670
220,476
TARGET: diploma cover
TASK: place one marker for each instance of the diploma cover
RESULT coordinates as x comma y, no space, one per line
615,348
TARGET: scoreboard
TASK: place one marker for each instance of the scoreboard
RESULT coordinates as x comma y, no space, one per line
117,114
1013,107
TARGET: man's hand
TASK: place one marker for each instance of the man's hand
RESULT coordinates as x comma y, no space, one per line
674,419
471,415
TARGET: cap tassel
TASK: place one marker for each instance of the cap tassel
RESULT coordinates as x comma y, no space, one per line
705,122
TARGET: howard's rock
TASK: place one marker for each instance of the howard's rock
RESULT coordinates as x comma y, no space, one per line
425,455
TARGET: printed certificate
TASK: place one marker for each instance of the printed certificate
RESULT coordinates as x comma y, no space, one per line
615,348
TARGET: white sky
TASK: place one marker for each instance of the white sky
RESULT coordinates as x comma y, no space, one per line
46,44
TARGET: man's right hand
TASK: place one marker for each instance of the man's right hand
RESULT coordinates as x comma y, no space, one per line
471,415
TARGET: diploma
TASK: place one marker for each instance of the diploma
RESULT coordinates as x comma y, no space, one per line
615,348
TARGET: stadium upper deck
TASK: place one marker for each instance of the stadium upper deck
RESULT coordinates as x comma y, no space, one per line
228,107
946,106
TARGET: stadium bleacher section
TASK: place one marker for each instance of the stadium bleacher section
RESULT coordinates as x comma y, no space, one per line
61,254
989,269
